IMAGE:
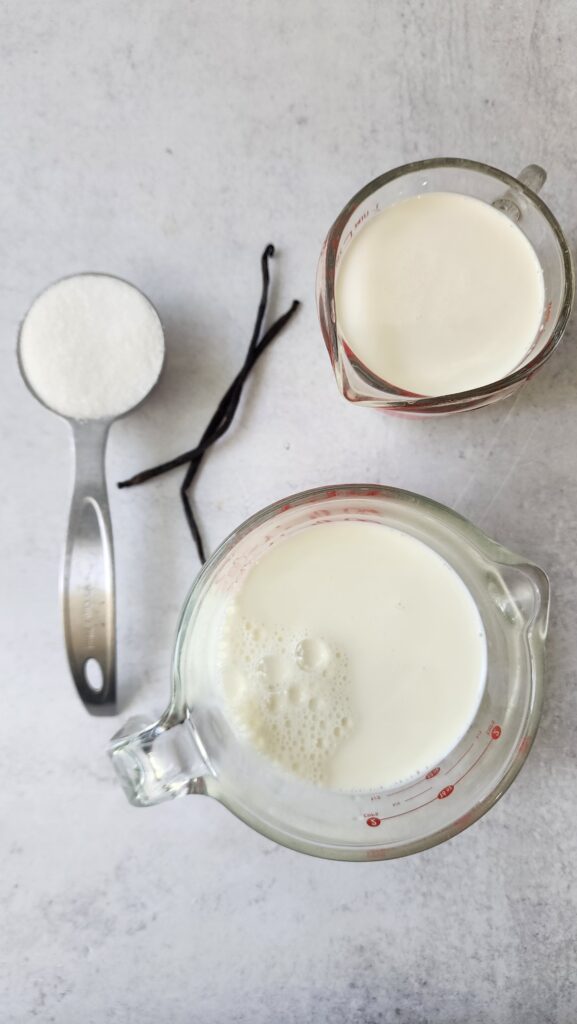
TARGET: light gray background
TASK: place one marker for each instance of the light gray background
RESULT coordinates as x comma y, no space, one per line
167,141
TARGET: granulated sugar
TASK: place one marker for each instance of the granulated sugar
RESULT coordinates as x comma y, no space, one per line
91,346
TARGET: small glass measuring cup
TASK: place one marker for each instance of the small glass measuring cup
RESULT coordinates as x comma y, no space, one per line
518,199
192,748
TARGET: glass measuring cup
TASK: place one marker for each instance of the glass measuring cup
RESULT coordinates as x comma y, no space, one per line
518,199
192,748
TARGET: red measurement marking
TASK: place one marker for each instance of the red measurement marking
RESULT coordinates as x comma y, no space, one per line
471,766
330,494
444,793
411,785
401,814
417,795
373,820
353,512
460,759
286,508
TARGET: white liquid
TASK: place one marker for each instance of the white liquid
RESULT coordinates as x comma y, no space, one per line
352,655
440,293
91,346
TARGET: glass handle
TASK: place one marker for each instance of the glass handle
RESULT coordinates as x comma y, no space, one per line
158,762
533,177
510,203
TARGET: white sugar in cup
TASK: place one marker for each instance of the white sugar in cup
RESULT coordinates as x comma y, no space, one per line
91,347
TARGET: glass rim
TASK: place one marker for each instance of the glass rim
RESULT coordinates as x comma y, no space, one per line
412,399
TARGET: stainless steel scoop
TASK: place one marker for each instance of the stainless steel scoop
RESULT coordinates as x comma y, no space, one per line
87,580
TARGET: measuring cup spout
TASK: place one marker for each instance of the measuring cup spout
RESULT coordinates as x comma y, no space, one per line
528,597
158,762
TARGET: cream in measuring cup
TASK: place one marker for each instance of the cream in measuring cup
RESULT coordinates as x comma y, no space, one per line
439,293
352,655
422,638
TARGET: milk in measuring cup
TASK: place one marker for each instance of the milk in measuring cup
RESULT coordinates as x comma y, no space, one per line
439,293
352,655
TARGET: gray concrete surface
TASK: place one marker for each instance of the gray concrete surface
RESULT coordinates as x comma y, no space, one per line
167,141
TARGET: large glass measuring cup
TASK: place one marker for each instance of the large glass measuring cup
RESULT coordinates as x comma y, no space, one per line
518,199
194,749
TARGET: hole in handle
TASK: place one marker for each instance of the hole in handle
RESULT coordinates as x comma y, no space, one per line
93,675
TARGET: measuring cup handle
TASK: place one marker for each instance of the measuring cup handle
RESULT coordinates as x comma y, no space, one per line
533,177
158,762
511,202
88,575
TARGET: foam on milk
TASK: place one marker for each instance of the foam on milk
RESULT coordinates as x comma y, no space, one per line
289,693
440,293
352,655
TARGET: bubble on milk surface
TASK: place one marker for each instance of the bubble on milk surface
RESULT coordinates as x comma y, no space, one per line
287,694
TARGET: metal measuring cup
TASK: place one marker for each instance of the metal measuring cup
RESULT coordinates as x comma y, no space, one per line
87,579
